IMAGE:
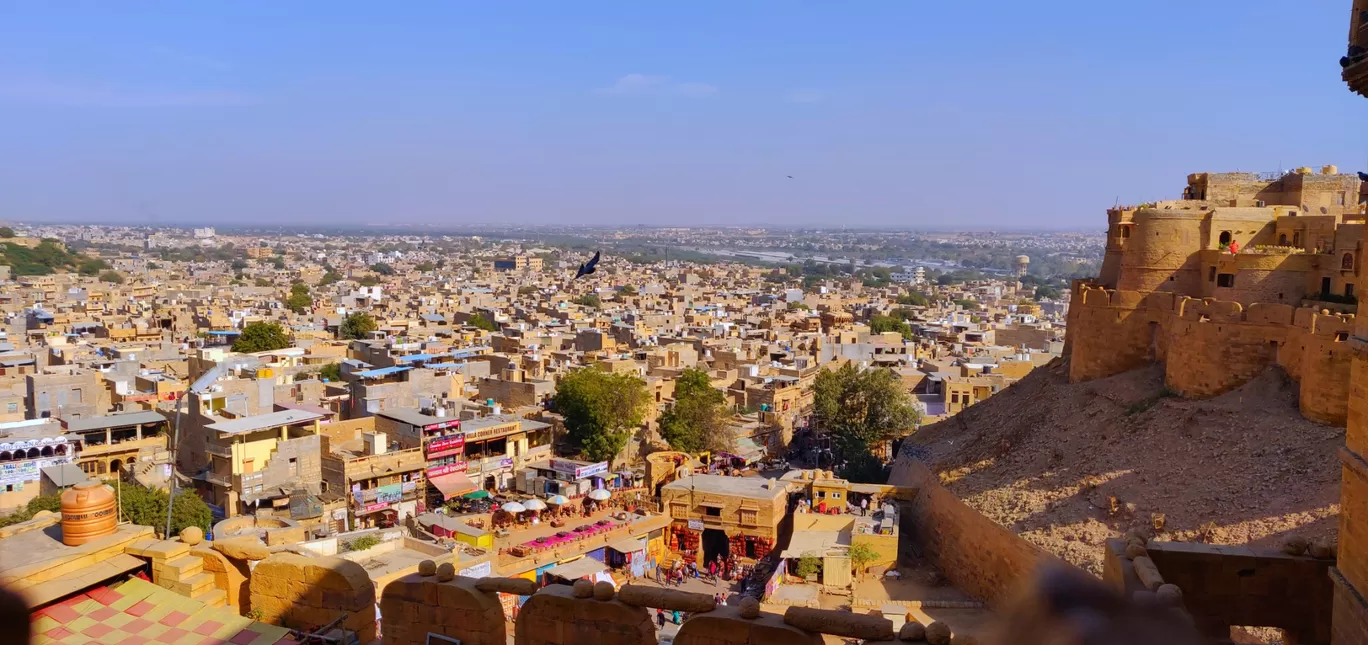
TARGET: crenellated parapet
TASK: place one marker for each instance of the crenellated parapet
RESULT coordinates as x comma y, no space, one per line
1209,346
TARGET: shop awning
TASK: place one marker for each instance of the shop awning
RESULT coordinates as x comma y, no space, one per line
452,484
629,545
581,568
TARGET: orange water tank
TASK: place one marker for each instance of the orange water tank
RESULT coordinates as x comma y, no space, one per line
89,511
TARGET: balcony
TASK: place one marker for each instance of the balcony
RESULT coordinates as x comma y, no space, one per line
1355,61
218,479
218,449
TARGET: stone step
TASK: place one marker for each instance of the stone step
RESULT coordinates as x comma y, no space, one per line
159,549
180,568
214,597
198,583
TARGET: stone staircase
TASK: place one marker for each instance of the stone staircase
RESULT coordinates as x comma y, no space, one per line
175,568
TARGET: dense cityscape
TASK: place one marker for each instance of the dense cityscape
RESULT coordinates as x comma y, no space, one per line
383,423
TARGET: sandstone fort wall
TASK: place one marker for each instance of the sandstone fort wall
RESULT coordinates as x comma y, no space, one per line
976,554
1210,346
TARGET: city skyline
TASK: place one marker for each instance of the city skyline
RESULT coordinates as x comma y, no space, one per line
1020,118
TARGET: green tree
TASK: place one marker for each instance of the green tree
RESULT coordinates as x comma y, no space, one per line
1046,292
332,372
51,503
916,299
329,277
238,264
261,282
798,306
93,266
261,337
299,301
112,277
589,300
357,325
600,410
860,409
480,322
968,305
861,556
808,565
6,232
278,263
147,507
527,290
628,290
425,266
382,268
698,419
368,281
881,323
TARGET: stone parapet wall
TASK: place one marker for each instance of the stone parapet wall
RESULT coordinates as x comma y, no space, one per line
307,593
1211,346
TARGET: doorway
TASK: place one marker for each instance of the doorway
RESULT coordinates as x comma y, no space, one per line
1325,286
715,543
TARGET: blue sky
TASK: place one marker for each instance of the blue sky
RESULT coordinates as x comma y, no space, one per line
992,114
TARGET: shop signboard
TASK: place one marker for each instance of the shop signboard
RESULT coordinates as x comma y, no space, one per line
447,469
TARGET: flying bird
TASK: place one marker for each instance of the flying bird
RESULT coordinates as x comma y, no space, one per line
789,176
588,267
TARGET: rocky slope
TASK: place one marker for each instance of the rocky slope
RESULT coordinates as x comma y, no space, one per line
1068,465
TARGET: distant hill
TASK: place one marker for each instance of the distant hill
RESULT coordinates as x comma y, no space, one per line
1045,458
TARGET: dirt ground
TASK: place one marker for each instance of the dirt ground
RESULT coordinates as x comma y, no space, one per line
1067,466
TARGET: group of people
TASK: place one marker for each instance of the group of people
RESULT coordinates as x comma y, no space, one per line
719,570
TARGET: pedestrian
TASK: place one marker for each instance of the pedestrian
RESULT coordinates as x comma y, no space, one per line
660,619
676,617
657,570
864,507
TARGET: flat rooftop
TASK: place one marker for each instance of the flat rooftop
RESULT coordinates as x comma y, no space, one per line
263,421
114,421
749,487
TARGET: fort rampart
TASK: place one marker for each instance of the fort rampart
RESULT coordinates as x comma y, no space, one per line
1209,346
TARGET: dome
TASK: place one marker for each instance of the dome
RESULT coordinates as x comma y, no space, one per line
1023,259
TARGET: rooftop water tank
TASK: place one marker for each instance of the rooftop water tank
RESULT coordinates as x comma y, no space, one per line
89,512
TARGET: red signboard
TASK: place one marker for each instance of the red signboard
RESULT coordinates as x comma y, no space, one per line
438,471
379,506
442,444
454,423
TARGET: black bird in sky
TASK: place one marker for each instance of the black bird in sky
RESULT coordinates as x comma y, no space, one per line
588,267
789,176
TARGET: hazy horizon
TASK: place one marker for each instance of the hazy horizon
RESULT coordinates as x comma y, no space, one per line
994,116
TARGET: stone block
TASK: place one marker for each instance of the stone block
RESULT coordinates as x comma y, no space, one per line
242,549
839,623
519,586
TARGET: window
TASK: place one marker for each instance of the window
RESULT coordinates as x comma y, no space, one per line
1225,239
1125,232
1225,280
712,511
1347,262
1211,274
1348,290
76,395
1339,199
1282,240
750,517
1296,239
13,407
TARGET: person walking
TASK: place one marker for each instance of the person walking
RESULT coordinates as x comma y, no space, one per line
660,619
864,507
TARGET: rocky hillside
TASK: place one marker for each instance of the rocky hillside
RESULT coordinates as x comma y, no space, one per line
1068,465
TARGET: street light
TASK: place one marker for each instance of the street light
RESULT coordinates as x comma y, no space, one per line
200,386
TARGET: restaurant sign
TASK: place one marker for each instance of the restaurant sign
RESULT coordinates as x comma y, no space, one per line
447,469
577,471
453,442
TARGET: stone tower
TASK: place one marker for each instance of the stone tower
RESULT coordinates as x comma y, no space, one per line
1022,263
